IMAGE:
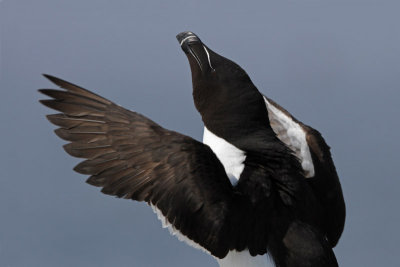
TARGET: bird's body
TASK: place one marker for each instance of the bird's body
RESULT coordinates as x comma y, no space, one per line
263,185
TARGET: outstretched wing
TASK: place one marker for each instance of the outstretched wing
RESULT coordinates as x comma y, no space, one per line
132,157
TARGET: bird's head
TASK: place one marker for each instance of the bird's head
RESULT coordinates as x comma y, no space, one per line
223,92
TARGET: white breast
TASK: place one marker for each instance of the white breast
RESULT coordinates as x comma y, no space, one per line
244,259
293,135
230,156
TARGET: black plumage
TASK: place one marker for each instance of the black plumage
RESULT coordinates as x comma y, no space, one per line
272,209
132,157
325,183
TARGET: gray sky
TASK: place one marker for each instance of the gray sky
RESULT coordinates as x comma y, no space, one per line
334,64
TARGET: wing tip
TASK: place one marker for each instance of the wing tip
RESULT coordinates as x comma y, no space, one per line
50,92
74,88
52,78
62,83
42,91
47,102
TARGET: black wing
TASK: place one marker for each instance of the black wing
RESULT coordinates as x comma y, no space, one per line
325,182
326,185
132,157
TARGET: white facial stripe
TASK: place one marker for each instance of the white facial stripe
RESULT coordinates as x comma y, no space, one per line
208,57
185,39
196,58
231,157
293,135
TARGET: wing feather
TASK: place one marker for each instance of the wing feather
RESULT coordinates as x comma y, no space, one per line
130,156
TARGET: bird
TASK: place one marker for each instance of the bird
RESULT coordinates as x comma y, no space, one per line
260,189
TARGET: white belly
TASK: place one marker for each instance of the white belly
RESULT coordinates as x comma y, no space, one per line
232,158
244,259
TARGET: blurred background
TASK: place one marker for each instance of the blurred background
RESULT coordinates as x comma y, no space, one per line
334,64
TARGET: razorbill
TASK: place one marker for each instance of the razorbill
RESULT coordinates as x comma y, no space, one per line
262,182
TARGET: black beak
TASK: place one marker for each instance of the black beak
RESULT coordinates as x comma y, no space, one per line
192,45
186,39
